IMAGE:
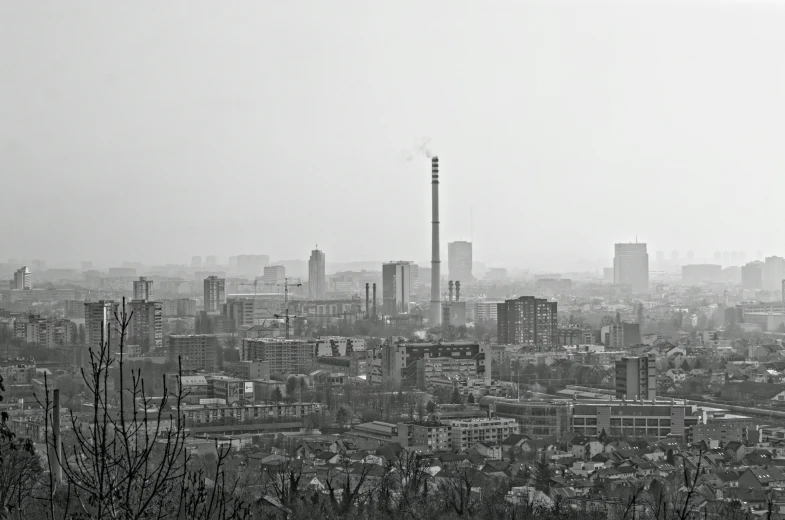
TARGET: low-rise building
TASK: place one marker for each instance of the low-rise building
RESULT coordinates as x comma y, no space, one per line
489,451
256,369
467,432
193,388
434,435
231,389
377,430
326,378
616,418
250,413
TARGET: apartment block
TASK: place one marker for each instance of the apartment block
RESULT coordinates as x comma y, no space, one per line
196,351
468,432
429,434
285,356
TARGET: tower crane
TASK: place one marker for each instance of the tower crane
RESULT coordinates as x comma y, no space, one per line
286,316
286,319
286,286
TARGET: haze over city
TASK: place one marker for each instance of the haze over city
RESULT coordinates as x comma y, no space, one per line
392,260
154,132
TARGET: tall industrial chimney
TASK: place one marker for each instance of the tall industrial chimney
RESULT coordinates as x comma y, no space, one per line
367,302
450,286
458,291
374,300
435,317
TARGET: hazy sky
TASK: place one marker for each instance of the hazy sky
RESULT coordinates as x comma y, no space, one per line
154,131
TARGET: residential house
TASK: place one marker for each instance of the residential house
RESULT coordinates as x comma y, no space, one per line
513,443
327,457
489,451
584,447
677,375
762,478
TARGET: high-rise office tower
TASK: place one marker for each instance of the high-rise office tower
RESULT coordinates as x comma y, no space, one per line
527,321
214,294
23,279
636,378
415,277
752,276
143,289
211,261
316,275
773,272
99,322
146,327
196,261
274,274
396,288
459,261
631,266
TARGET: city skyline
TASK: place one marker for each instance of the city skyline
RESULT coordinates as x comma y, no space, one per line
230,289
551,92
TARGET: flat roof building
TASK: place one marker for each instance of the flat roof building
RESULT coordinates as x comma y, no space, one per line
636,378
195,351
285,356
411,364
143,289
587,417
631,266
528,321
214,294
459,261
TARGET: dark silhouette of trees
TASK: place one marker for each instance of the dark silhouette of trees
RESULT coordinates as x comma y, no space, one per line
342,416
128,462
455,491
542,475
291,386
350,480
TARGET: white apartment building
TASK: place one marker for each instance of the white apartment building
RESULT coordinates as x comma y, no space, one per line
486,311
468,432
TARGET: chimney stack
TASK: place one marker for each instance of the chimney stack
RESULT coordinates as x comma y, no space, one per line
367,302
450,286
458,290
436,306
374,300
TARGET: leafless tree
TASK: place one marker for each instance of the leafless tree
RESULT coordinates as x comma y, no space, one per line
20,474
350,479
404,488
690,483
131,462
455,491
283,480
630,500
